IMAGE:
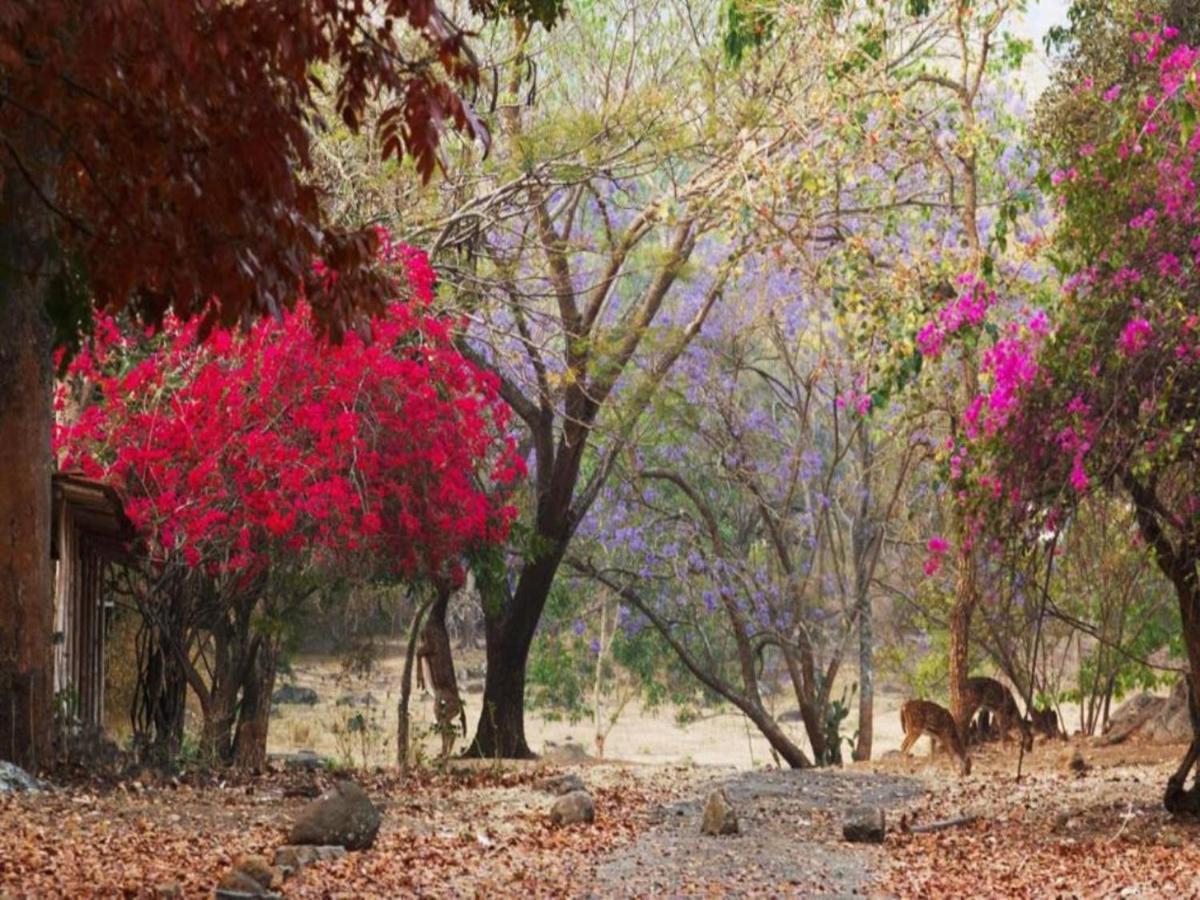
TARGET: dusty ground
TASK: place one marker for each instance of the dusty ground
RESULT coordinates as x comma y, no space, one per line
650,737
471,832
789,843
1055,833
480,831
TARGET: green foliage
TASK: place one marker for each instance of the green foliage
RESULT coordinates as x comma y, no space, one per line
546,13
562,663
1107,579
746,25
923,674
835,715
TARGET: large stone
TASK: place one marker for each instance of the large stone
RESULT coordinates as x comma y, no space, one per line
864,825
1130,716
719,815
1145,717
343,815
573,808
301,760
293,693
1173,724
14,778
561,784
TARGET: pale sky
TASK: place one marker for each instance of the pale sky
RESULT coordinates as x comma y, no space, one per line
1041,15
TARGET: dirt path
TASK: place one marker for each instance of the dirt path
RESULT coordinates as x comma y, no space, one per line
790,841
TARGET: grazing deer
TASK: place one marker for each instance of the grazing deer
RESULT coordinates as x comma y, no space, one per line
434,652
989,694
918,717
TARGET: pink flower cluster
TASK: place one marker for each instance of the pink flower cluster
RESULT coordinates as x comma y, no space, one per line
1134,337
859,401
1055,412
968,309
937,548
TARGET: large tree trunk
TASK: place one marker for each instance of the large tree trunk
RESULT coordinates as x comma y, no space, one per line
26,417
1178,798
864,547
778,739
160,697
232,655
1179,564
216,732
501,731
254,714
960,630
866,680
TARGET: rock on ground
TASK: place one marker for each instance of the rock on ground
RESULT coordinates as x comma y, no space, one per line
293,693
14,778
344,815
719,815
302,760
561,784
573,809
1158,720
864,825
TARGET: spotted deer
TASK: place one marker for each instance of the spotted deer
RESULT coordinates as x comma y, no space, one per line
918,717
434,652
989,694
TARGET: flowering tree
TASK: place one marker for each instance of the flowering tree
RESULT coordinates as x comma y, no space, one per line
158,153
746,530
926,171
251,461
1109,398
608,226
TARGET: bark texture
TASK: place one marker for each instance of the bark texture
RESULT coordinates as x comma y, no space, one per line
26,417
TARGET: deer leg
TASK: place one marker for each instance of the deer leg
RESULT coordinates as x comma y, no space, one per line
910,738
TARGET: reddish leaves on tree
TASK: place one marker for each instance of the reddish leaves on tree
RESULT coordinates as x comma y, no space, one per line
249,449
174,138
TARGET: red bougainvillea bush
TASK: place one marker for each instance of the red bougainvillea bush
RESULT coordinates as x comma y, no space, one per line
244,449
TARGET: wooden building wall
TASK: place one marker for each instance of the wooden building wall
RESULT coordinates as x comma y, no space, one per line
90,533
